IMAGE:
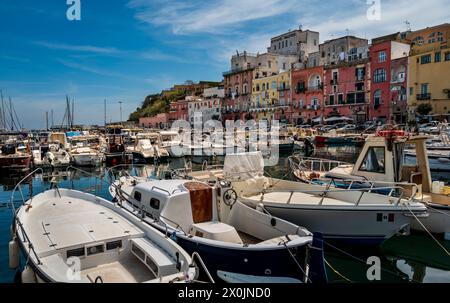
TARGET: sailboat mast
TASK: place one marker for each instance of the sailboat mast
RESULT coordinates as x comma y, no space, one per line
11,114
2,112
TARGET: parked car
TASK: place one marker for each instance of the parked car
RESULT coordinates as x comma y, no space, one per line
347,128
432,127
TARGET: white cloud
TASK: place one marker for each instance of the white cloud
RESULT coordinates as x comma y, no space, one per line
78,48
214,16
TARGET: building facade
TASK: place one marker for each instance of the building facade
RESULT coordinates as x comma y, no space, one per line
298,43
346,90
203,110
384,67
271,97
429,79
335,51
307,94
178,111
160,121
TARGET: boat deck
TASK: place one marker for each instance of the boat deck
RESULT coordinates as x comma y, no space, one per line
127,270
297,198
59,223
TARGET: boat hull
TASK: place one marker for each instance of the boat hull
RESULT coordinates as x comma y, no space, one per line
276,262
17,163
360,226
86,160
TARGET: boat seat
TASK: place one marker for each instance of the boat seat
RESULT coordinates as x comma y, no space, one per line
216,231
154,256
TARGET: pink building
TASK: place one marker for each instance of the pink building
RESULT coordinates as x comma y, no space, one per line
159,121
346,90
179,111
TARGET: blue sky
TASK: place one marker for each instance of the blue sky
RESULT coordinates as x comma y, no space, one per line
123,50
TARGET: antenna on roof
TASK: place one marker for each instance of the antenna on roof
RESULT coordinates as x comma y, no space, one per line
408,26
347,31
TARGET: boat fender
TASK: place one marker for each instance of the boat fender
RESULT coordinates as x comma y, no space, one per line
13,254
28,275
273,222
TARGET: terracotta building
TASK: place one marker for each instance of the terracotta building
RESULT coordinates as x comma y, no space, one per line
307,94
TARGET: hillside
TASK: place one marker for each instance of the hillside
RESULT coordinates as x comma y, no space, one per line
156,104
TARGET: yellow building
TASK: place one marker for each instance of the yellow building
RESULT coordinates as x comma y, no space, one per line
429,73
429,80
270,95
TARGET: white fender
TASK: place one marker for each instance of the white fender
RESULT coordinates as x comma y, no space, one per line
13,254
28,275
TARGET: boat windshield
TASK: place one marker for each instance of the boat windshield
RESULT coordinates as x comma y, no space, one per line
374,161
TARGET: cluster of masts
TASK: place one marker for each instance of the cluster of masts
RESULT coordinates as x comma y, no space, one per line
8,115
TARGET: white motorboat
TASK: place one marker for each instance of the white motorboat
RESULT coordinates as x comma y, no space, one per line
86,156
346,215
73,237
381,163
147,148
210,221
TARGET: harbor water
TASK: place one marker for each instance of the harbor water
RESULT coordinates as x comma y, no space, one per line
415,258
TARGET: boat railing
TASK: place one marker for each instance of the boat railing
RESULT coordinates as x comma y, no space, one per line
110,174
18,226
18,187
323,193
313,164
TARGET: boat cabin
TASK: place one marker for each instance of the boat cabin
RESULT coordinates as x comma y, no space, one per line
382,160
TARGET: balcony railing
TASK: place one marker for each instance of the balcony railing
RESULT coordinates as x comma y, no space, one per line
283,88
318,87
423,97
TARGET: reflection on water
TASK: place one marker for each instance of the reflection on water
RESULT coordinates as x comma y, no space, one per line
415,258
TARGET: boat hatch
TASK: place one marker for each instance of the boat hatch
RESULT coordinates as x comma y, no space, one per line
201,201
153,257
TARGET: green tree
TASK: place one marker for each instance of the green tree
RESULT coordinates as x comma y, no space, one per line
424,109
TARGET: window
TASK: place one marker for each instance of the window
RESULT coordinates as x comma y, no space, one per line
274,85
437,57
424,89
269,63
360,73
374,162
379,75
411,91
137,196
114,245
340,99
425,59
155,203
381,56
447,56
331,100
377,98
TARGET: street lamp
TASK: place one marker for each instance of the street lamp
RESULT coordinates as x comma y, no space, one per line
120,102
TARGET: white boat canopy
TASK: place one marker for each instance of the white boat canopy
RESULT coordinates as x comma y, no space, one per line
243,166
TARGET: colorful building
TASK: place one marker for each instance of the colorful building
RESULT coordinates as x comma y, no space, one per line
159,121
383,56
271,97
307,94
178,111
429,72
346,90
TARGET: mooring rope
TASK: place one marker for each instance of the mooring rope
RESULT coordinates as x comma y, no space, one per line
429,233
337,272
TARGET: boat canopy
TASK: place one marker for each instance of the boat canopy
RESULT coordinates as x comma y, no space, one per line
243,166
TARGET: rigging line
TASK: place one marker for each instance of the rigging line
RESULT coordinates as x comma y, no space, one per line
428,232
364,262
337,272
296,262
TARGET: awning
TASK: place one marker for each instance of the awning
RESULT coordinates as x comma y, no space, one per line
334,119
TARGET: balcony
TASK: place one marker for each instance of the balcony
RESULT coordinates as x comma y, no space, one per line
236,71
423,97
334,82
313,88
395,80
283,88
